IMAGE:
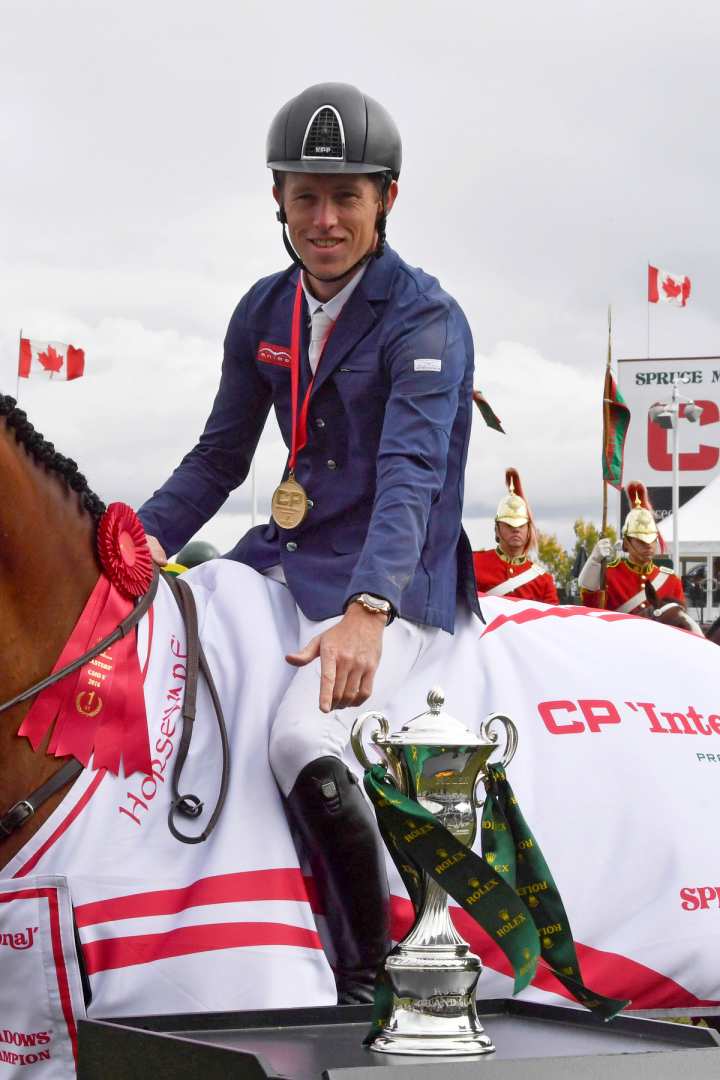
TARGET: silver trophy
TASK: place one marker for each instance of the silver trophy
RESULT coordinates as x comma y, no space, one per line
436,760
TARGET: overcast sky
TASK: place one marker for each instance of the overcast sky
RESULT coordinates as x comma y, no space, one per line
550,151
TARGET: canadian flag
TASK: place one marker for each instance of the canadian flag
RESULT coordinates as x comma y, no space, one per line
667,288
51,358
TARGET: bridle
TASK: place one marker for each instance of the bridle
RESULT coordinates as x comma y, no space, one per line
692,626
188,805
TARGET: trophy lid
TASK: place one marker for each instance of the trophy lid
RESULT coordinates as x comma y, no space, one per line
434,728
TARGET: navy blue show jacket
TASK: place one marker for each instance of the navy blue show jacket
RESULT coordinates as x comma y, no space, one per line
388,431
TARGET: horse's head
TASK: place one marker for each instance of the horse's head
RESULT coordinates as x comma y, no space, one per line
671,613
48,568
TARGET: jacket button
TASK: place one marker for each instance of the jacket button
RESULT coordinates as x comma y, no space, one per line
310,504
291,545
319,423
331,464
510,570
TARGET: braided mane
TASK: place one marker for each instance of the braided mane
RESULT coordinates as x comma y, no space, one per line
45,454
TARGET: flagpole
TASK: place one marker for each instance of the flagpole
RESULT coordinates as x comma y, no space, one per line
648,318
17,379
606,420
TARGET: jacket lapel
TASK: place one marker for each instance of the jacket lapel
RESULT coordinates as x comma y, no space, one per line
358,316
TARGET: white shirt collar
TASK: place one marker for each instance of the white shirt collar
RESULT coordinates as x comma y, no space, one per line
332,308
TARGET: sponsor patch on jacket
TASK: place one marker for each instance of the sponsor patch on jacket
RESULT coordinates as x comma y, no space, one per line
428,365
273,354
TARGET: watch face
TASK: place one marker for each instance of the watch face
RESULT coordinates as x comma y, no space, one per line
375,602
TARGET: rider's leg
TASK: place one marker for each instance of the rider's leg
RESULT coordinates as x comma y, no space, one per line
340,836
330,812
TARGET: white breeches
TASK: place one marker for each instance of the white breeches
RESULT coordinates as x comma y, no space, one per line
301,732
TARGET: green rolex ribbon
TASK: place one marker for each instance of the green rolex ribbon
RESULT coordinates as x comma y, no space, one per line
509,891
510,847
418,842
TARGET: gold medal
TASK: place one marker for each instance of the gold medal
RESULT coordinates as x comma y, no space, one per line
289,504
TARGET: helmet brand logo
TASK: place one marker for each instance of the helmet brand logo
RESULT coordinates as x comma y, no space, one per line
324,135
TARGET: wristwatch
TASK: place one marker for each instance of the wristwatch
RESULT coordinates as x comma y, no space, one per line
374,604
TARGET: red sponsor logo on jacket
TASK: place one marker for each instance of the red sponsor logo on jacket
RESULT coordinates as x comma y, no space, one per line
273,354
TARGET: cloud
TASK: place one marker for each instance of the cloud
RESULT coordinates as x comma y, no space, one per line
552,414
549,153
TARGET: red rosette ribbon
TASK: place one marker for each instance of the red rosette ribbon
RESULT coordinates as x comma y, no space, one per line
123,550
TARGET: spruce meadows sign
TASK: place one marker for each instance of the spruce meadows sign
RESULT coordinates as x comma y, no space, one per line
648,449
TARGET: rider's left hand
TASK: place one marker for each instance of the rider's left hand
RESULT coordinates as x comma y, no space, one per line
349,656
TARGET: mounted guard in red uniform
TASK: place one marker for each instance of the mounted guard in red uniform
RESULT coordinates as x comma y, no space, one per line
622,586
507,570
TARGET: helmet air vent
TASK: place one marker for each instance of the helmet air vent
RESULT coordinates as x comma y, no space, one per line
324,136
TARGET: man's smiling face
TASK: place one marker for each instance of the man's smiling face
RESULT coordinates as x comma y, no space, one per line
332,219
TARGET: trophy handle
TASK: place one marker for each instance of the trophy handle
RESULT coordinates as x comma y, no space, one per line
382,730
511,735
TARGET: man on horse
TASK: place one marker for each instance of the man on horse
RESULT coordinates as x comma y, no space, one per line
368,364
507,569
618,584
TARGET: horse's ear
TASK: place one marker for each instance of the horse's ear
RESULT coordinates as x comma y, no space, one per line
651,594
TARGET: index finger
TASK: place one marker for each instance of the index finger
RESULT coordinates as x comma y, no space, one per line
328,669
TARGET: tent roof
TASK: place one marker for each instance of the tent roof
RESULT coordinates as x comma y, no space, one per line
698,519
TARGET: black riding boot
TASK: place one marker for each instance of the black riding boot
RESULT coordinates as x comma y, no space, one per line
340,835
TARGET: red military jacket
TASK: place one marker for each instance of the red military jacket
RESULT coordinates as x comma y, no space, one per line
625,586
495,574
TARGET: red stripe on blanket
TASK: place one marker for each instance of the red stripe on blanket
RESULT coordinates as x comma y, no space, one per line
64,824
283,884
111,953
560,612
607,973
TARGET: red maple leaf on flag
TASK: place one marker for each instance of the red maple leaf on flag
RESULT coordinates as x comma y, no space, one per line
51,360
671,287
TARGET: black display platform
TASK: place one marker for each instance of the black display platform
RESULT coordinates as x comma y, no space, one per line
541,1041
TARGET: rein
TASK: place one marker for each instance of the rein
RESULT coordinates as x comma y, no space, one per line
188,805
659,612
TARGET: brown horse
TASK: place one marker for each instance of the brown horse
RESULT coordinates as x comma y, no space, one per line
48,568
671,613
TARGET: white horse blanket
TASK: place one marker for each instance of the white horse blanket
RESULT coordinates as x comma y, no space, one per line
616,773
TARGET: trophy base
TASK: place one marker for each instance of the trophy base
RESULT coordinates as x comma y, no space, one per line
470,1045
433,1011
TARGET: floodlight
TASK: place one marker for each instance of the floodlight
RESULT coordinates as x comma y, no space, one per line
661,415
693,412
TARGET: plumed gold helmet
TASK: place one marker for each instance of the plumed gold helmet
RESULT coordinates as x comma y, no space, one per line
513,508
640,521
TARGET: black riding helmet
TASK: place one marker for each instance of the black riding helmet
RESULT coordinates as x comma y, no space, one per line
335,128
196,552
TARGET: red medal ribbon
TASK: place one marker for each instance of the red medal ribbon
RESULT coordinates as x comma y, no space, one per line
299,422
100,709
